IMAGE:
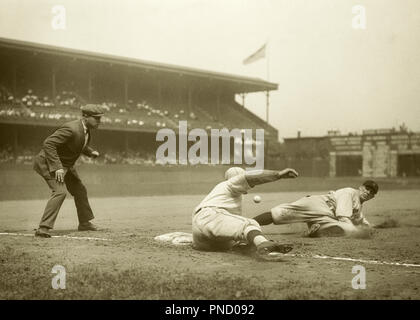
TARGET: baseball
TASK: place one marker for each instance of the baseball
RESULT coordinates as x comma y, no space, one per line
257,199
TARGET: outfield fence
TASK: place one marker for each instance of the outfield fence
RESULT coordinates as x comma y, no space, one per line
19,182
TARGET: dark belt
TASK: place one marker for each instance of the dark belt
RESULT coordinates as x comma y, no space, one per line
204,208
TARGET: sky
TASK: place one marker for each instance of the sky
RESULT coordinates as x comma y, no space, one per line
331,76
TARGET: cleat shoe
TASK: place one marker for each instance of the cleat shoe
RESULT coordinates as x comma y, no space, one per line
242,247
87,226
271,251
284,248
333,231
313,230
42,233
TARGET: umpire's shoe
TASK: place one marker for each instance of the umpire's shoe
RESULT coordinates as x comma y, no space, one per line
272,251
87,226
42,233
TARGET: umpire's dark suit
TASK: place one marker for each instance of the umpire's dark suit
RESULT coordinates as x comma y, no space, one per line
60,151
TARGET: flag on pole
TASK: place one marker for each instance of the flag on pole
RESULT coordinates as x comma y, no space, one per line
259,54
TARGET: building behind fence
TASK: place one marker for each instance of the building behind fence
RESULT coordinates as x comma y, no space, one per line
374,153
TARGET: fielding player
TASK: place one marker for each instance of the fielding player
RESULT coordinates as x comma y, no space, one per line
217,222
334,214
55,165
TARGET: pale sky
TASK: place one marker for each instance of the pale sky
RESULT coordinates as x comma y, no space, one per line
330,75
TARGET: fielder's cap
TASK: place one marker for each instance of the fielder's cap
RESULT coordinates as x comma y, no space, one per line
371,186
92,110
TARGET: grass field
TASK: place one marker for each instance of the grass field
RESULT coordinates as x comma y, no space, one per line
134,266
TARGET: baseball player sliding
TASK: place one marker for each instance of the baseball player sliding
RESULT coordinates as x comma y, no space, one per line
334,214
217,222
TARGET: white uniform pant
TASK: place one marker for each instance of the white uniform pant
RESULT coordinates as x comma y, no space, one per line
310,210
216,229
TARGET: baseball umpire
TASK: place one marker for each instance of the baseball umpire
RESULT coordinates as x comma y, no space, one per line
55,165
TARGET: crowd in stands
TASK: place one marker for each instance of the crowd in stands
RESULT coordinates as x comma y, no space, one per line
26,156
67,105
31,106
133,114
130,157
7,156
23,157
30,99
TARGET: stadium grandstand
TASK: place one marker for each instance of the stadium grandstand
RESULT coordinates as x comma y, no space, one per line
42,86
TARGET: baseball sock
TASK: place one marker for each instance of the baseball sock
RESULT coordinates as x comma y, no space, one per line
264,218
256,237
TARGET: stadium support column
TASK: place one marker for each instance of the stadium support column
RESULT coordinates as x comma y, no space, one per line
126,145
15,141
266,148
243,95
267,104
14,79
218,102
90,86
159,93
125,88
53,83
190,97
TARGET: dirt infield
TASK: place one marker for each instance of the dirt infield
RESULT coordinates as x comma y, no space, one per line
134,266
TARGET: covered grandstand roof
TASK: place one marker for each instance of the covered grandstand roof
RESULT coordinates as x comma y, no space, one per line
242,84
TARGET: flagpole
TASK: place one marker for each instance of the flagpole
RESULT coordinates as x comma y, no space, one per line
268,79
259,54
268,61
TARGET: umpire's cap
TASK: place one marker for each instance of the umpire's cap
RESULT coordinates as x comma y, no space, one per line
372,186
92,110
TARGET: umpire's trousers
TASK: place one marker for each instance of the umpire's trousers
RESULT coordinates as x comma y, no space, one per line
58,194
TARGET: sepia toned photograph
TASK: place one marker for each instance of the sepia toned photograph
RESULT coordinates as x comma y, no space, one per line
198,150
